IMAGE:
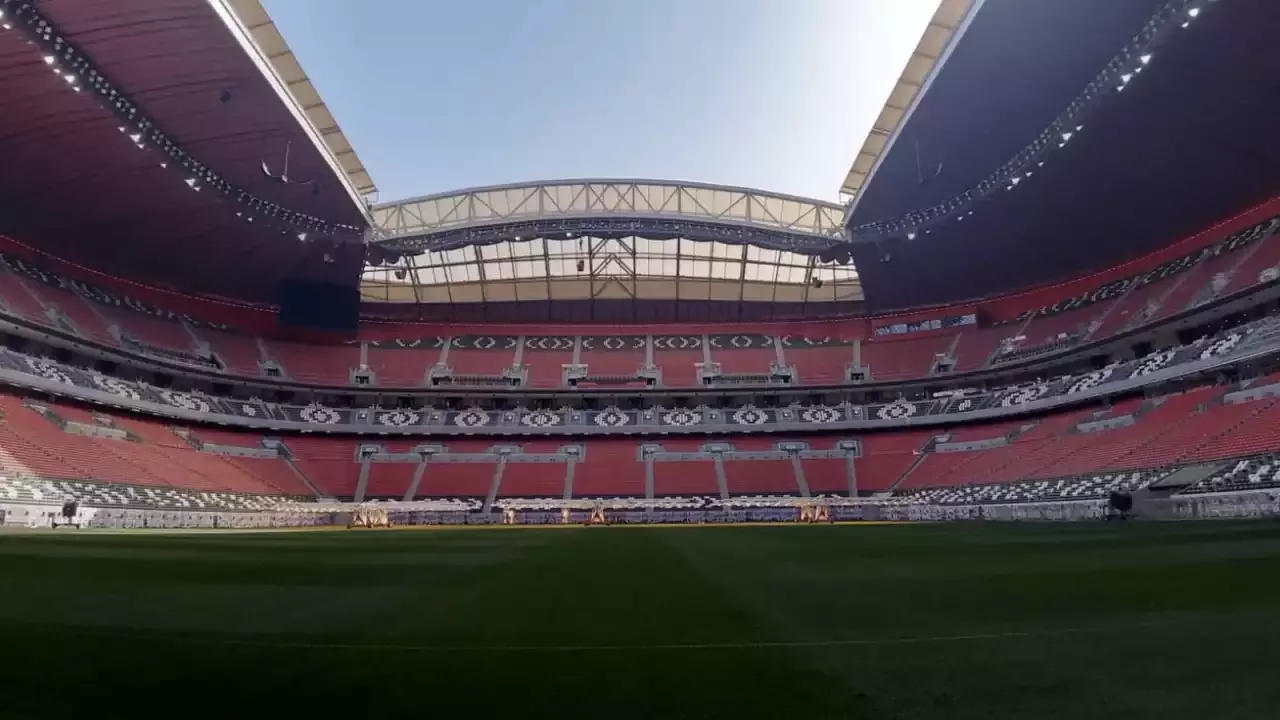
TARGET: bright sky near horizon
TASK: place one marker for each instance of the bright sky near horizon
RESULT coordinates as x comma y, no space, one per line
439,95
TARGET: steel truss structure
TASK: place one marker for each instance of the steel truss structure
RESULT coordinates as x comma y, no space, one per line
653,208
624,268
620,239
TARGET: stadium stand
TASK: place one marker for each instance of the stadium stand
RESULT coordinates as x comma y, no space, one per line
1074,488
240,354
679,357
610,468
826,475
470,476
885,459
328,463
976,347
1260,268
1081,453
545,358
906,358
311,363
684,476
609,357
1247,474
389,480
743,355
150,330
1216,268
760,477
88,320
20,301
482,355
543,478
401,367
46,491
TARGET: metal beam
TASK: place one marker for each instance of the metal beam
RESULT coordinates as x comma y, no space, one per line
554,207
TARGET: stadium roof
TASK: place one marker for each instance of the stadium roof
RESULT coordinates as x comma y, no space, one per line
944,28
169,198
601,239
267,44
1032,89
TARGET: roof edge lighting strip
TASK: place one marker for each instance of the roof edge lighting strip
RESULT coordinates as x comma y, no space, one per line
81,75
1125,66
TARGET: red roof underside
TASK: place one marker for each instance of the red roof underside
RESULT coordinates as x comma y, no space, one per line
77,188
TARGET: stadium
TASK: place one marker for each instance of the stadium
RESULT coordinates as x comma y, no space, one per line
352,460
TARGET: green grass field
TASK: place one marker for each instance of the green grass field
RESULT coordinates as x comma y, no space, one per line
917,621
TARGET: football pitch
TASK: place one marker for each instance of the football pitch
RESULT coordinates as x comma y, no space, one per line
1177,620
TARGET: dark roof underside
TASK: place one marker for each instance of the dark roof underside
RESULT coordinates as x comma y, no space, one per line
1189,142
78,189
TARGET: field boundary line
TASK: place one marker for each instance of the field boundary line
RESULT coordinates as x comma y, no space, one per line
662,647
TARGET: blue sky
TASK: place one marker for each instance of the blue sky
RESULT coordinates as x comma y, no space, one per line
439,95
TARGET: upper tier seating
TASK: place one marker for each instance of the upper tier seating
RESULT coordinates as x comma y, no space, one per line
319,364
679,367
1256,269
169,334
546,366
620,356
240,354
612,356
17,299
976,346
1212,265
900,359
819,365
87,319
401,367
491,361
744,361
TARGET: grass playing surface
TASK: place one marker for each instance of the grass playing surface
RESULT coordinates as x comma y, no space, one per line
1131,621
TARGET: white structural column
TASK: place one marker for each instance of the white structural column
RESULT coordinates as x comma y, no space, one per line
852,469
496,483
418,472
802,482
363,483
570,468
721,480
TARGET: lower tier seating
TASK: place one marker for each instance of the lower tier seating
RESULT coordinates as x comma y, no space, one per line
91,494
1248,474
1078,453
1075,488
